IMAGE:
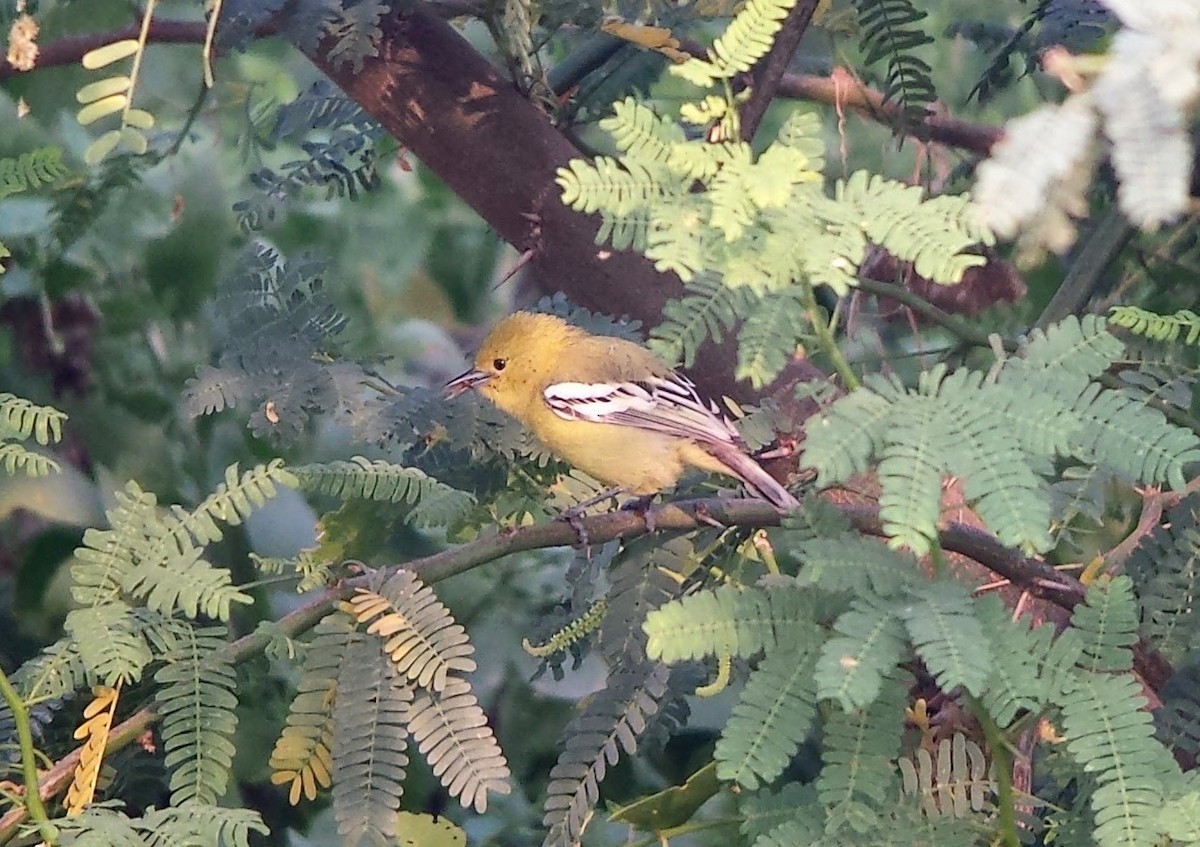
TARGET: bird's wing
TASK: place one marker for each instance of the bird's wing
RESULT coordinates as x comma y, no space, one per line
669,405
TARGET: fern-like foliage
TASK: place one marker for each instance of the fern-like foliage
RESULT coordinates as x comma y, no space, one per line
890,30
728,621
21,420
1181,326
195,823
26,172
417,631
647,576
997,435
56,672
196,699
859,753
277,326
746,40
1033,668
341,161
1075,24
431,503
158,557
869,642
954,781
708,311
1164,570
773,715
1108,728
609,725
370,734
356,32
941,622
32,170
302,758
155,558
98,718
114,96
744,231
770,817
452,734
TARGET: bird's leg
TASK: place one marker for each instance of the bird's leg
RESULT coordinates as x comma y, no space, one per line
573,517
704,516
641,505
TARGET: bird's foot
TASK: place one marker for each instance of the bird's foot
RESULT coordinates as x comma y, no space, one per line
641,505
702,515
575,521
573,517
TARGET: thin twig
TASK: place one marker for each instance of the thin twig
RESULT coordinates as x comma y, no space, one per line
825,337
769,71
842,89
976,335
959,327
69,50
1089,268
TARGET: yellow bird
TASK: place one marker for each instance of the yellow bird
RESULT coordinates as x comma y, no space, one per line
610,407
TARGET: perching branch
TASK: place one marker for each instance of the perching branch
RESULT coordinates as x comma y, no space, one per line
1032,575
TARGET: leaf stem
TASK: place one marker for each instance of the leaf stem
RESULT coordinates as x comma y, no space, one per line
135,69
1002,766
825,338
33,800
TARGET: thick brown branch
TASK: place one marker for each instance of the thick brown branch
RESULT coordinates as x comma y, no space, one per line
497,151
769,71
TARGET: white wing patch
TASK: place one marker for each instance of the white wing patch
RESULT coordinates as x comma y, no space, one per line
670,405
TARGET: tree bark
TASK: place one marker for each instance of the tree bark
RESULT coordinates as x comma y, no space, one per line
433,92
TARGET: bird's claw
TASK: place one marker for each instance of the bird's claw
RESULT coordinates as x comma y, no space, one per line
573,518
641,505
581,534
702,515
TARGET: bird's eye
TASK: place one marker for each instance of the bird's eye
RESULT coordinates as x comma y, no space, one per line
499,364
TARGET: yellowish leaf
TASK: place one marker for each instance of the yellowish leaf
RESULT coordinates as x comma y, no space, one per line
139,118
101,108
103,88
102,146
109,53
134,140
98,720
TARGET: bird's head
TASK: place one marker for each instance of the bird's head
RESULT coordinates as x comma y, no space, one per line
513,365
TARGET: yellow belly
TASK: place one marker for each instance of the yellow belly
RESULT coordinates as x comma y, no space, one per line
640,461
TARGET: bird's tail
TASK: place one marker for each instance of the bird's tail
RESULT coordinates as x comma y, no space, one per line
750,472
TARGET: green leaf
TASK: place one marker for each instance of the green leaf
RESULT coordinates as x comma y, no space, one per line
942,624
773,715
728,621
870,642
103,88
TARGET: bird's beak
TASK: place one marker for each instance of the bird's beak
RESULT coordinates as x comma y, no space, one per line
465,382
